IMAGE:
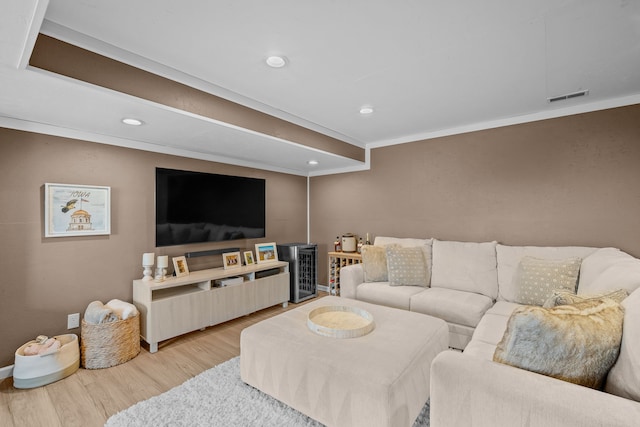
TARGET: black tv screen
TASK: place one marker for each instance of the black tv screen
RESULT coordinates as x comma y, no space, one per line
196,207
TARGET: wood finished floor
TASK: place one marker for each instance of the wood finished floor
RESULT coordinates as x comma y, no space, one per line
89,397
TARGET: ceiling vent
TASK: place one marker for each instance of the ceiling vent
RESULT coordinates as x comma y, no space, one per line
568,96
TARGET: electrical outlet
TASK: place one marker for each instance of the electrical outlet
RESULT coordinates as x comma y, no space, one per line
73,321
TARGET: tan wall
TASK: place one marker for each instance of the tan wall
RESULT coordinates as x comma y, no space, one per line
43,280
566,181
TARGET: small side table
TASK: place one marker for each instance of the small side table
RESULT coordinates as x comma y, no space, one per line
337,260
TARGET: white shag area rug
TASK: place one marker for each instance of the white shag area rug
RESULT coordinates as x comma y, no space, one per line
218,397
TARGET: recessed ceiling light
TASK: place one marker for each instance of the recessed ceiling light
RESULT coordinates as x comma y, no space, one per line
366,110
312,162
276,61
131,122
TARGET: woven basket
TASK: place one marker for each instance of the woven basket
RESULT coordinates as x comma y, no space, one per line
109,344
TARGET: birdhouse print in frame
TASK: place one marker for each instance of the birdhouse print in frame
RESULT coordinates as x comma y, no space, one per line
76,210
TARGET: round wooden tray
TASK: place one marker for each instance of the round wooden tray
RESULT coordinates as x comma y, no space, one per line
340,321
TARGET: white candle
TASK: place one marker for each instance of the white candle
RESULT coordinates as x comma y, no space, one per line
147,258
163,261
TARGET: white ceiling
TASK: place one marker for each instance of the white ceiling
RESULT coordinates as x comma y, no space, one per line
428,68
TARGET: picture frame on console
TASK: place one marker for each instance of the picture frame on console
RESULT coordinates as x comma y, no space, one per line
248,258
180,266
266,252
231,260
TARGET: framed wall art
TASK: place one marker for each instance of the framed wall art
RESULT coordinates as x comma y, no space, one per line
266,252
76,210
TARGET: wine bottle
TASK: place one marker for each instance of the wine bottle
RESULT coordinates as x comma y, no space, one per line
337,245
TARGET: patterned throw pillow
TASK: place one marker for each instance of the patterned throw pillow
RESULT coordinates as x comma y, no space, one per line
562,297
374,263
576,343
536,279
407,266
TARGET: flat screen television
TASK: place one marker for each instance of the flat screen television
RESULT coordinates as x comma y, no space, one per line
196,207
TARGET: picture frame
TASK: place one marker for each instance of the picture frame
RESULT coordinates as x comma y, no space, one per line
248,258
231,260
76,210
180,266
266,252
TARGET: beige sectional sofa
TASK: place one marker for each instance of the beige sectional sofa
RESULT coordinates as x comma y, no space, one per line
474,288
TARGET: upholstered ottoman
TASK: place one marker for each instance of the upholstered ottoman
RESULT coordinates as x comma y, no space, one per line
379,379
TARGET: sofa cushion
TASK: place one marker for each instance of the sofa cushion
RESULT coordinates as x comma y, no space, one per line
407,266
536,278
480,349
562,297
608,269
490,330
577,343
509,257
384,294
465,266
624,377
374,263
493,324
459,335
463,308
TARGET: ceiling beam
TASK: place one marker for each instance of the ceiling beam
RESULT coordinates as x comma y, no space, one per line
62,58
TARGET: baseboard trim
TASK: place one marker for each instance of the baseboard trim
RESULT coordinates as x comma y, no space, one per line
6,372
323,288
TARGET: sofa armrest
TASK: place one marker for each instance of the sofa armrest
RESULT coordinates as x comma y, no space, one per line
469,391
350,277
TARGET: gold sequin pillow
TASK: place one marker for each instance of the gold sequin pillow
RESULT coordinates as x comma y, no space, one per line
536,279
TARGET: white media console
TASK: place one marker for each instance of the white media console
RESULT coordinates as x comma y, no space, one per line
184,304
